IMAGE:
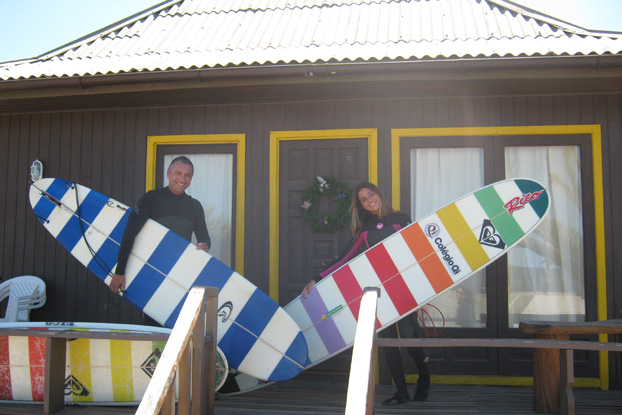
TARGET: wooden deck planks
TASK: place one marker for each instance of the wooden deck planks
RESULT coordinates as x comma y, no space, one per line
299,397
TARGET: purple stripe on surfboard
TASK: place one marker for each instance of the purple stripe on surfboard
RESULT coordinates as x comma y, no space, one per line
327,329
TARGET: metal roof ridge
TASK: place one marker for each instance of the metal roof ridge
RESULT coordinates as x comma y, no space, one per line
559,23
103,32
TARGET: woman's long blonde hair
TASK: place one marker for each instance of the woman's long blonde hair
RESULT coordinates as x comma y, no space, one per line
359,214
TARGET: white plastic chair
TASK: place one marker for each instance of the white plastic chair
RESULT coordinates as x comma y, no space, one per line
24,294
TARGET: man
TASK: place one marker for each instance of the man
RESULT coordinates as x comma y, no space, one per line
171,207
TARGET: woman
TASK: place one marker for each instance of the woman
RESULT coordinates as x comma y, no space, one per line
372,221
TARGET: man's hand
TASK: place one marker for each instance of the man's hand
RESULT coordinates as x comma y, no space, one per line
117,282
203,246
307,290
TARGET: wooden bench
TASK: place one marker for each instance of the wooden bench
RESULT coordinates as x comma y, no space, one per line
360,387
553,373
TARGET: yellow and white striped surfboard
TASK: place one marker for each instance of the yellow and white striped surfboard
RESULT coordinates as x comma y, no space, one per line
99,371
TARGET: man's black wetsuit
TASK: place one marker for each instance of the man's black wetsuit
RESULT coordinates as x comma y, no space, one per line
180,213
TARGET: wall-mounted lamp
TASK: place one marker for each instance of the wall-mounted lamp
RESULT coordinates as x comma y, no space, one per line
36,170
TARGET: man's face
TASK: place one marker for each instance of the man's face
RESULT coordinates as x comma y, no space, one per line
179,177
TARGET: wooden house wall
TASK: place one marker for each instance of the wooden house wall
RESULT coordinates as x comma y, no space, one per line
106,150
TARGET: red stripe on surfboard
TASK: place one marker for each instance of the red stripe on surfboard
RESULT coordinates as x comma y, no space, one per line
429,262
5,370
36,352
350,288
393,283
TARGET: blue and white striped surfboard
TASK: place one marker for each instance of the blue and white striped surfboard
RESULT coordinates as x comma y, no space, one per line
256,335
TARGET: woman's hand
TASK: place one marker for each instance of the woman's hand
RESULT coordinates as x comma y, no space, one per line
307,290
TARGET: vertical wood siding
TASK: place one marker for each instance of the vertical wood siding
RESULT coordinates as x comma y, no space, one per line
106,151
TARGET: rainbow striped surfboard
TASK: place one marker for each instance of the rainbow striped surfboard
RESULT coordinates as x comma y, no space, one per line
98,371
414,265
256,335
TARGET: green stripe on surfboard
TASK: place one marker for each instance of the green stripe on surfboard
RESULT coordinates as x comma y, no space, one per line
505,224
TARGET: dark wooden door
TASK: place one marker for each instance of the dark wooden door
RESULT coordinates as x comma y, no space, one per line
303,253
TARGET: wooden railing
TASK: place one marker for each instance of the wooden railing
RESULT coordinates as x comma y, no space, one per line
360,398
191,353
361,389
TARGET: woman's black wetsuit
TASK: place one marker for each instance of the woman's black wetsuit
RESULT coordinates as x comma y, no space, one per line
376,229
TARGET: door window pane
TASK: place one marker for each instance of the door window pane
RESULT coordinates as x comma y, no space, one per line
546,269
440,176
212,185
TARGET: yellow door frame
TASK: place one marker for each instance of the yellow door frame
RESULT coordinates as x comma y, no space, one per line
594,131
153,142
276,137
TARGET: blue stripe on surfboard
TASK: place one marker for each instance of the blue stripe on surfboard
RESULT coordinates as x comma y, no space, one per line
237,341
168,251
298,349
91,206
72,232
144,285
58,188
214,274
44,207
103,263
287,369
257,312
117,232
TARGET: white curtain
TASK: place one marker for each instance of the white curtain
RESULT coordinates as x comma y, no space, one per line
440,176
212,185
545,271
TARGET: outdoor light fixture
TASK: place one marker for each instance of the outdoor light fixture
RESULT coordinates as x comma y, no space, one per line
36,170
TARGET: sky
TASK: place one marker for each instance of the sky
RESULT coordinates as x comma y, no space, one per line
29,28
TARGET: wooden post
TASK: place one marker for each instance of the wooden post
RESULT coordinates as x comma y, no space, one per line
360,397
546,381
55,362
189,329
198,365
184,374
566,396
211,324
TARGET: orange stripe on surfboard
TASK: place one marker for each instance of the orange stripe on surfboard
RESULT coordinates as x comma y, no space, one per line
427,259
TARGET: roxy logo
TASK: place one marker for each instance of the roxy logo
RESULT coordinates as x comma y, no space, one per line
489,236
520,202
446,257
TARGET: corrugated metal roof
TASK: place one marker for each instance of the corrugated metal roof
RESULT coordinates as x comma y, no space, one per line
187,34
